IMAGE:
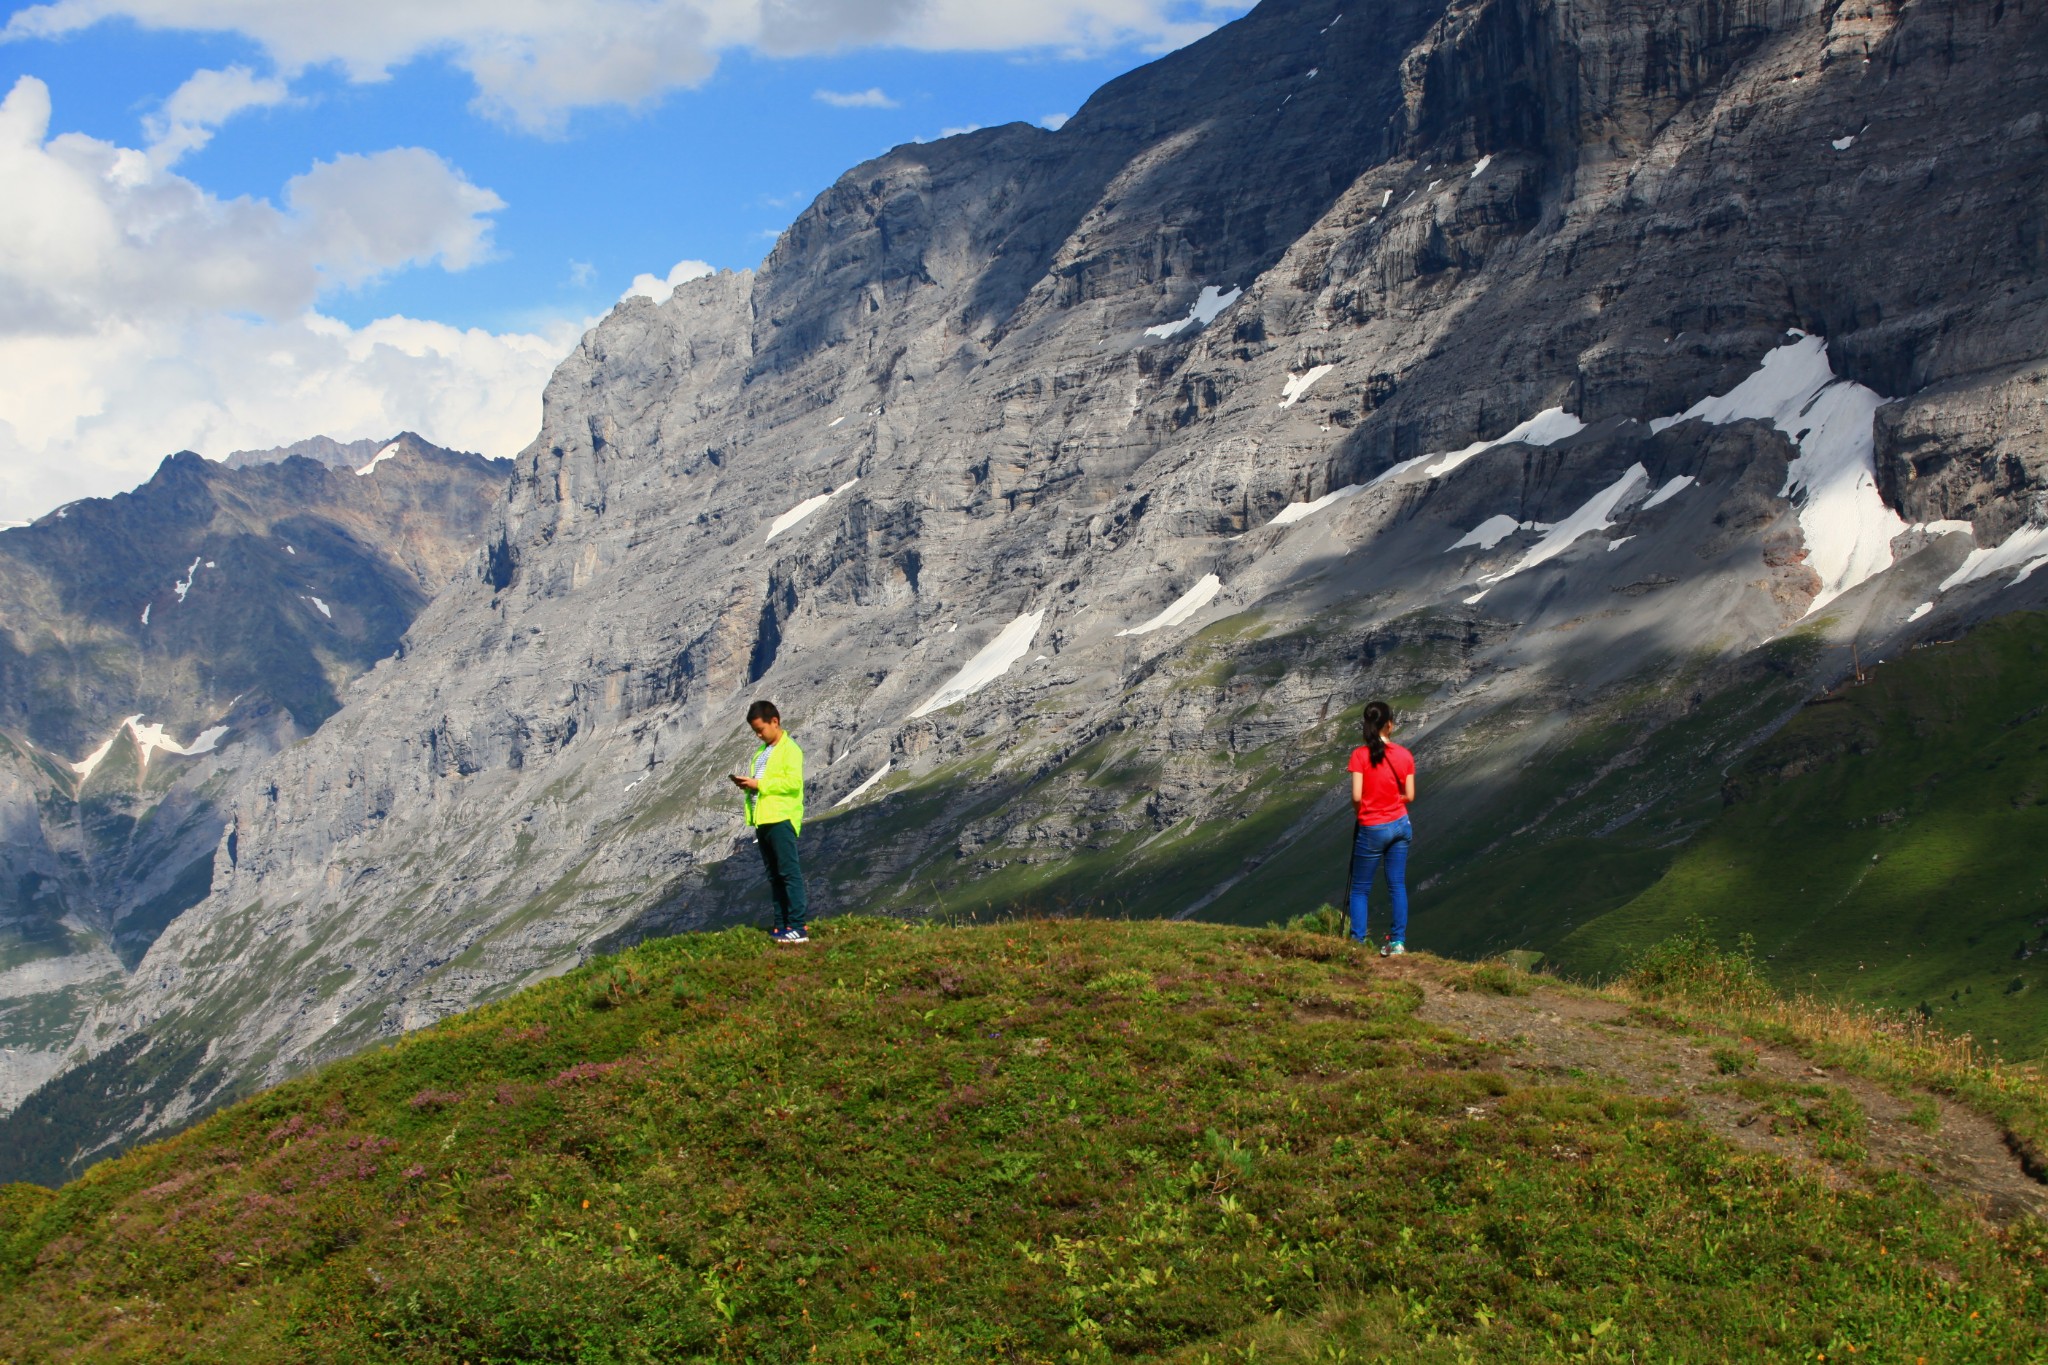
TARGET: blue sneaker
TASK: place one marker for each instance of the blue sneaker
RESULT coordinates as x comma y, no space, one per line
791,936
1393,948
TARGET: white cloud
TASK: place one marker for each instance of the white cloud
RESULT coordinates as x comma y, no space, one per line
363,216
90,231
187,120
533,61
140,314
92,414
581,273
1054,121
659,289
871,98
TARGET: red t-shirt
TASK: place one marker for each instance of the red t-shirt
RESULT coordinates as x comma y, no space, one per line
1383,803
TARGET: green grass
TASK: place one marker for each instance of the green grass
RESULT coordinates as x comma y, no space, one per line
1035,1141
1883,847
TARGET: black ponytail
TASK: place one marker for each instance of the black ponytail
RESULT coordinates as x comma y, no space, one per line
1378,715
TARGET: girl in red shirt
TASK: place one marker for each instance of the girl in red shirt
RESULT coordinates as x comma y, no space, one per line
1382,785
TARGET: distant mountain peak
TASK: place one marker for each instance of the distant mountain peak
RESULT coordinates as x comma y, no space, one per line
328,451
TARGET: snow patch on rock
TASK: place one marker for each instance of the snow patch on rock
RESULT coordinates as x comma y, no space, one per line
379,458
876,776
148,738
1295,511
1488,533
85,766
1595,514
2025,550
1671,489
1012,643
1186,605
1201,312
805,509
1848,528
1547,427
1298,384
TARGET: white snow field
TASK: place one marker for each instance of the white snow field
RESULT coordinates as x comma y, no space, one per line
1012,643
1201,312
1184,606
184,585
805,509
1298,384
321,607
876,776
1833,481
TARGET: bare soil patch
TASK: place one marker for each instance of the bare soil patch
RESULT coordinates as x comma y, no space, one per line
1758,1096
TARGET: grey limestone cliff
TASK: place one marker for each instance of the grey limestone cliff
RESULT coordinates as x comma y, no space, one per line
1586,376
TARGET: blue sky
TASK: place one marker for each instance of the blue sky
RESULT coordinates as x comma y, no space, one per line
244,219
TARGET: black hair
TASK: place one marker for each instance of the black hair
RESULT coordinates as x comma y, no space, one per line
1378,715
763,710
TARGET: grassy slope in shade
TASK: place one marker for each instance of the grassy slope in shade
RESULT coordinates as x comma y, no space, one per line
1038,1141
1885,846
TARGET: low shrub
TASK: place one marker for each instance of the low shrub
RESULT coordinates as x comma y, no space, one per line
1691,965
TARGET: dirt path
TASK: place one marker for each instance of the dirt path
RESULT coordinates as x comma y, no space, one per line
1761,1098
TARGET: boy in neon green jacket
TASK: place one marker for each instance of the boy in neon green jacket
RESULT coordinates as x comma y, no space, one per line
775,808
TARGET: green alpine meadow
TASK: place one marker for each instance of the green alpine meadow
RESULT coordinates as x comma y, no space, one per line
1066,1140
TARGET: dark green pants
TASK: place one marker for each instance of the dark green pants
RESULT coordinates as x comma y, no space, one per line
785,872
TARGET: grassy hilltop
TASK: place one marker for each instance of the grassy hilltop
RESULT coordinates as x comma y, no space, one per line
1067,1141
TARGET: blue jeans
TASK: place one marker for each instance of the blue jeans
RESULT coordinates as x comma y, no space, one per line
1376,846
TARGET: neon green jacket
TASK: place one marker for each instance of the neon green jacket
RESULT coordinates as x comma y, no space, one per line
782,786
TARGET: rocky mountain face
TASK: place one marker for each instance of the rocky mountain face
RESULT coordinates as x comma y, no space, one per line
1589,378
155,648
